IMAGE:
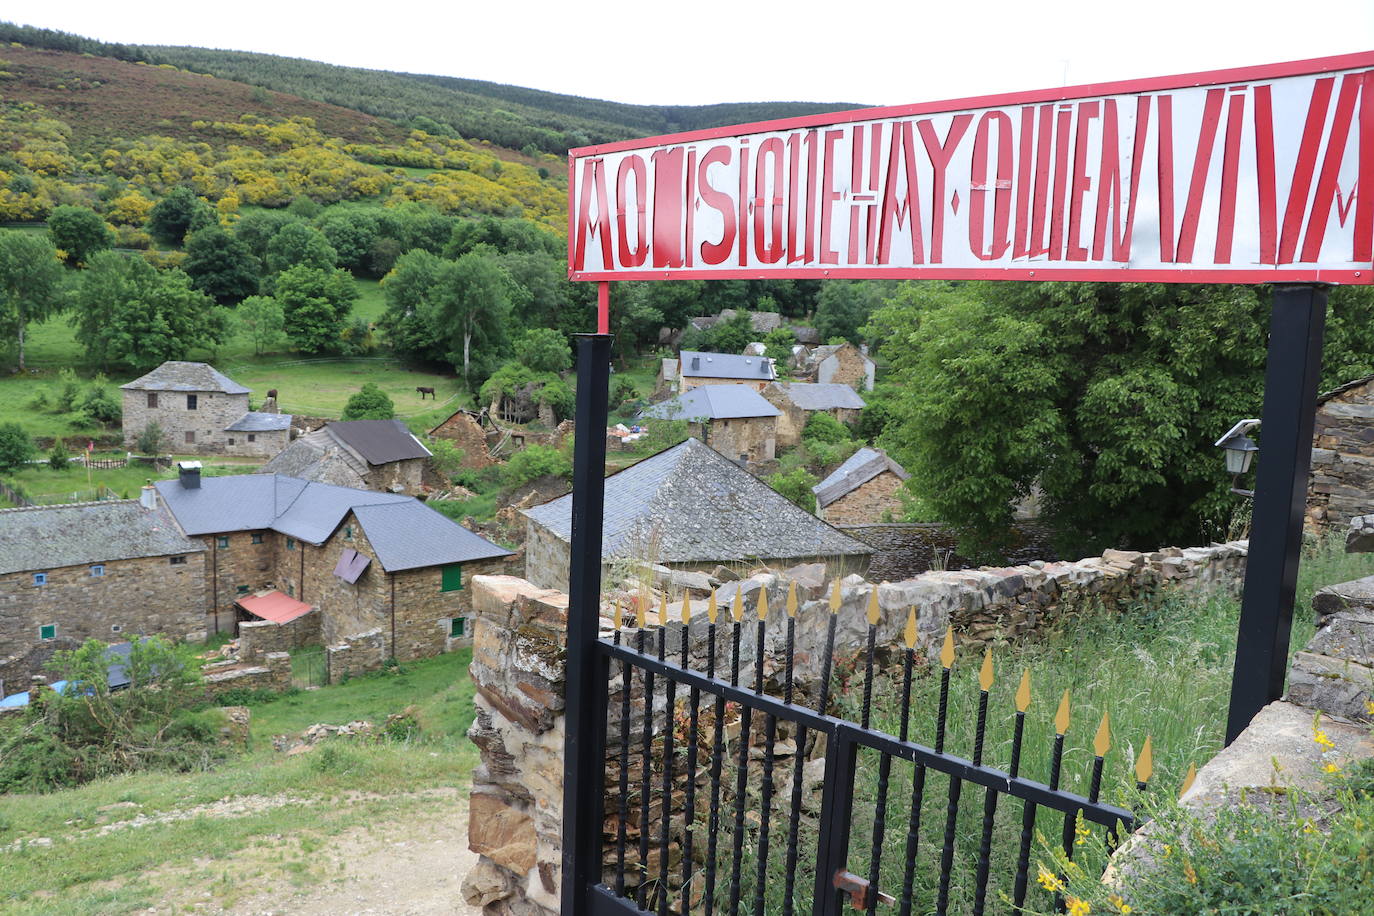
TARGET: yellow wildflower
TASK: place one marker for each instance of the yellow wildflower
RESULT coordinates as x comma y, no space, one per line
1331,768
1168,850
1049,880
1121,905
1369,707
1078,907
1308,828
1322,740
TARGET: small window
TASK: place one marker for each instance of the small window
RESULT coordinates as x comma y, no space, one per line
40,578
257,537
190,437
457,627
98,570
243,589
252,437
290,543
152,399
47,631
190,402
452,579
348,532
116,628
222,542
231,440
290,590
177,561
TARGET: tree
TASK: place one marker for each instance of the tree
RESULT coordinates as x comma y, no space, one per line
257,228
179,212
16,447
843,307
299,245
409,318
543,350
733,334
129,312
370,403
31,284
473,298
315,306
79,232
220,265
796,485
260,319
351,233
1105,396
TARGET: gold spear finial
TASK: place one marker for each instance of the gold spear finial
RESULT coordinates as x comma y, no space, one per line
835,598
1145,763
1102,741
617,613
947,652
792,600
737,607
874,613
1023,694
686,609
1188,781
1061,718
911,631
641,612
663,609
763,604
711,608
985,673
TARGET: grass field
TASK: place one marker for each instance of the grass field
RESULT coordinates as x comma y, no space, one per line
72,484
291,804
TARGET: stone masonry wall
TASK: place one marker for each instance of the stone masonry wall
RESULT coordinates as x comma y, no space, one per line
262,637
463,431
546,557
754,437
307,574
518,670
214,411
423,609
846,366
357,654
868,503
272,673
1342,482
264,444
141,597
239,565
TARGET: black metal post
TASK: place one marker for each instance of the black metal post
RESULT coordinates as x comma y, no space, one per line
1296,328
584,747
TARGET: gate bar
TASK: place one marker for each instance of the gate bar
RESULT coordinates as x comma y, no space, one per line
1296,328
584,746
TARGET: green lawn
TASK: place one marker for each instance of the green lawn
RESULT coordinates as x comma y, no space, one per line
321,387
72,484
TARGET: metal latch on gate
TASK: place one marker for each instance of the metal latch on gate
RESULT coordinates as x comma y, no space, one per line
858,890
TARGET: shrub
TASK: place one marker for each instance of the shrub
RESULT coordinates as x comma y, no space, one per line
152,440
822,427
533,462
796,486
16,448
99,404
68,390
58,455
448,458
371,403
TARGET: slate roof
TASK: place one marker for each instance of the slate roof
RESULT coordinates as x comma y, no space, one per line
690,504
1342,389
862,466
695,364
306,459
78,534
814,396
714,402
405,532
255,422
378,441
175,375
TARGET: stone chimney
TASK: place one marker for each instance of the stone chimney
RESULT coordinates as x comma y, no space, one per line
189,472
148,497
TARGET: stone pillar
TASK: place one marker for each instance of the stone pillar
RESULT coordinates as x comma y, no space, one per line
517,792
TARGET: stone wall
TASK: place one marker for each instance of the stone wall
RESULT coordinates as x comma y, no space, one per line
306,572
875,501
240,567
546,557
144,596
753,437
424,609
273,673
17,670
357,654
847,366
397,476
793,418
687,383
265,444
464,432
1342,482
214,411
263,637
906,549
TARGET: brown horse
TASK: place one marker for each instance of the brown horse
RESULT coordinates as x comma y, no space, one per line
425,391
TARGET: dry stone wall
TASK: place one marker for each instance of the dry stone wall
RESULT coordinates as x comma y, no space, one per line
1342,483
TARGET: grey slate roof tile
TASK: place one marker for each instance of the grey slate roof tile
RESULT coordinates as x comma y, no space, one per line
862,466
255,422
176,375
76,534
695,364
688,504
714,402
408,535
814,396
378,441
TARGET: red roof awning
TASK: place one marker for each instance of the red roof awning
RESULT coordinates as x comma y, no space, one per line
274,606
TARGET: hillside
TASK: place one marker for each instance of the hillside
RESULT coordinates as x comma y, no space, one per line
509,116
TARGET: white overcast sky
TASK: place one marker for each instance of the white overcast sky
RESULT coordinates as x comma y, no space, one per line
647,52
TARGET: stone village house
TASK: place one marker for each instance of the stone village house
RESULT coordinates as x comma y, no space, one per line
843,364
797,401
1342,482
97,570
862,491
735,420
364,454
690,508
362,560
696,368
201,412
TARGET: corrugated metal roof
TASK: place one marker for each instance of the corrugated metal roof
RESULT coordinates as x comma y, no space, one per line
274,606
695,364
862,466
407,535
78,534
176,375
714,402
690,504
378,441
814,396
255,422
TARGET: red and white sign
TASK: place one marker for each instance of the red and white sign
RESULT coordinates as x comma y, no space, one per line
1239,176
